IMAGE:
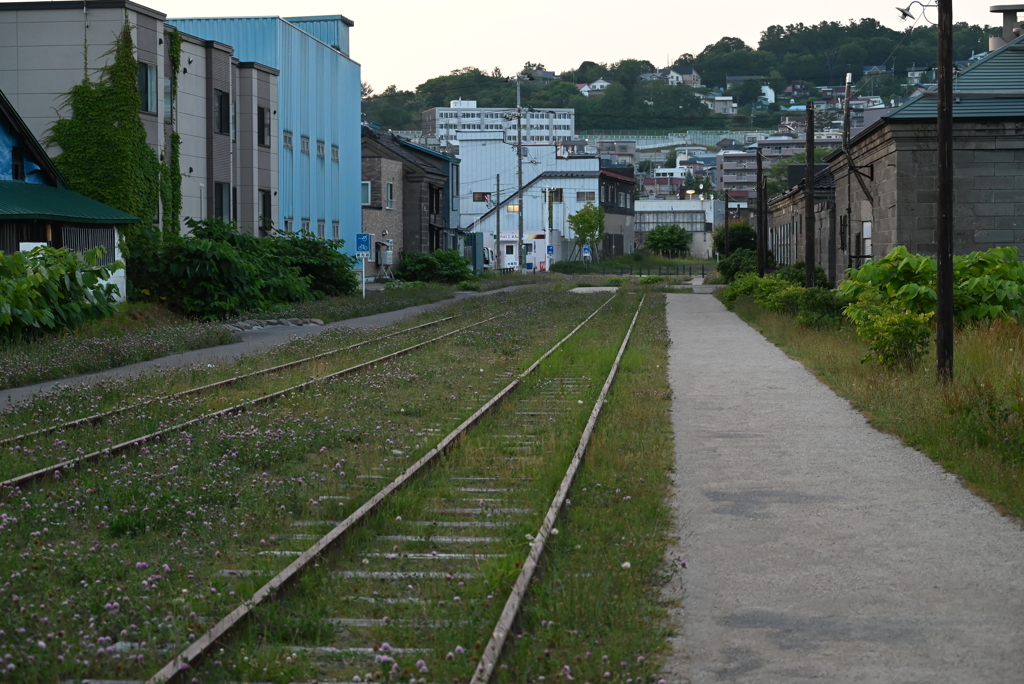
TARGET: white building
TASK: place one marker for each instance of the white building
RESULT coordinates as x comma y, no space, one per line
555,186
446,123
697,217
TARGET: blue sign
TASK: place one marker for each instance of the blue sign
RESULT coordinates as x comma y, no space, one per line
586,250
363,242
551,250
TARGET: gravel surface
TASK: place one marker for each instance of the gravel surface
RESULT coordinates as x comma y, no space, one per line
816,546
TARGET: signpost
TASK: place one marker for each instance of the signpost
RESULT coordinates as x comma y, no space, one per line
551,250
586,251
363,253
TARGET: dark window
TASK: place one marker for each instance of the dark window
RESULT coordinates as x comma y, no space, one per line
221,112
222,201
263,126
555,195
147,87
265,210
17,164
481,197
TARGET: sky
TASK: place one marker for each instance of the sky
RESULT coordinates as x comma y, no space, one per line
405,42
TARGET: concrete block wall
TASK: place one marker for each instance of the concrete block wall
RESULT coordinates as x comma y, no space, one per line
376,218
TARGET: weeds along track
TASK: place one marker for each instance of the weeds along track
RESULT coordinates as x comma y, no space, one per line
414,583
95,418
119,565
17,482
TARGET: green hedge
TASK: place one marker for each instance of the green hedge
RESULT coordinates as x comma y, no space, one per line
441,266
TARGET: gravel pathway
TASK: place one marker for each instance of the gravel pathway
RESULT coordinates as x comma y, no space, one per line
817,547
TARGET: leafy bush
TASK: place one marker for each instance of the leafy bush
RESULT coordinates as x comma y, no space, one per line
746,285
778,295
469,286
649,280
897,338
797,272
821,308
441,266
331,271
668,238
986,285
217,270
52,289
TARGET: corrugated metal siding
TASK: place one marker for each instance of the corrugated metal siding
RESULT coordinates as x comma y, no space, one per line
330,30
318,96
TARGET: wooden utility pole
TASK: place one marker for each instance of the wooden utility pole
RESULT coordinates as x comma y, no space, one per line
944,227
519,165
762,250
725,248
809,280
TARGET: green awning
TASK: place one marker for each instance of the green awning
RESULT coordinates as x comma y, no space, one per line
29,201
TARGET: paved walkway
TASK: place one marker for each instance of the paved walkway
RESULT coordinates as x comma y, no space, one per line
819,548
252,342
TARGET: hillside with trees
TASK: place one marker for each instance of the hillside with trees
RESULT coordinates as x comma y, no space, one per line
818,55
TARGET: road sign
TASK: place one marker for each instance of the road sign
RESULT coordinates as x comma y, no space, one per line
551,250
586,251
363,242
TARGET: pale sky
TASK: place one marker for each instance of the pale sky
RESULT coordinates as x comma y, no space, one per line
405,42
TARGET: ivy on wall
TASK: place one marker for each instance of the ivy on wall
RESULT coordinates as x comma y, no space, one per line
104,154
170,172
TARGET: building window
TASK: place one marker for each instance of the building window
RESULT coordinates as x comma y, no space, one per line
335,153
555,195
287,225
366,193
389,195
263,126
481,197
510,250
221,112
222,201
305,225
287,140
305,144
168,101
335,230
321,229
604,194
585,196
266,221
319,148
17,164
147,87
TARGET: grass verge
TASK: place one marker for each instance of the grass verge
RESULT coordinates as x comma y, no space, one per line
138,332
973,427
330,309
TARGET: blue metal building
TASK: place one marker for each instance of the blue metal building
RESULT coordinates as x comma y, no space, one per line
318,116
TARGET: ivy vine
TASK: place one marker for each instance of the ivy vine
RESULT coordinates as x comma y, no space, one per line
104,153
170,172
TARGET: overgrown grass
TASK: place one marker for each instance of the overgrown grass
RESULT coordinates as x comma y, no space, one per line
330,309
132,550
974,426
138,332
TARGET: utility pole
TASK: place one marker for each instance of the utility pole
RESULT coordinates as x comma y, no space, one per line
944,227
761,218
497,222
809,200
725,248
519,164
850,172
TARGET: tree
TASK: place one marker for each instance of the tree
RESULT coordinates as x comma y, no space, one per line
588,224
741,236
778,173
668,238
365,90
747,92
670,159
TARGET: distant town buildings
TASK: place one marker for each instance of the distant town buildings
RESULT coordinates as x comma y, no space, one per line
445,124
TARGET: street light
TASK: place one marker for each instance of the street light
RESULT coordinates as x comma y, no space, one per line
905,12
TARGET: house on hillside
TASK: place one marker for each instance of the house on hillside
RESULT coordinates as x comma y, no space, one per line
38,208
675,75
889,194
599,86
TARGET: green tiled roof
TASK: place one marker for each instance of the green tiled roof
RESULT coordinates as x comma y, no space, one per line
28,201
992,87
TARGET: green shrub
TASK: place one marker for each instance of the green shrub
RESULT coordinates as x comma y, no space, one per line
617,280
217,271
797,272
330,271
779,296
821,308
745,285
897,338
52,289
469,286
741,236
649,280
441,266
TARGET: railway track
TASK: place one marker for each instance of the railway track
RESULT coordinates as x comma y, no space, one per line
15,484
424,581
96,418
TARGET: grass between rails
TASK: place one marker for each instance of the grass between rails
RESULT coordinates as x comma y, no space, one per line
109,570
595,612
411,627
972,427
